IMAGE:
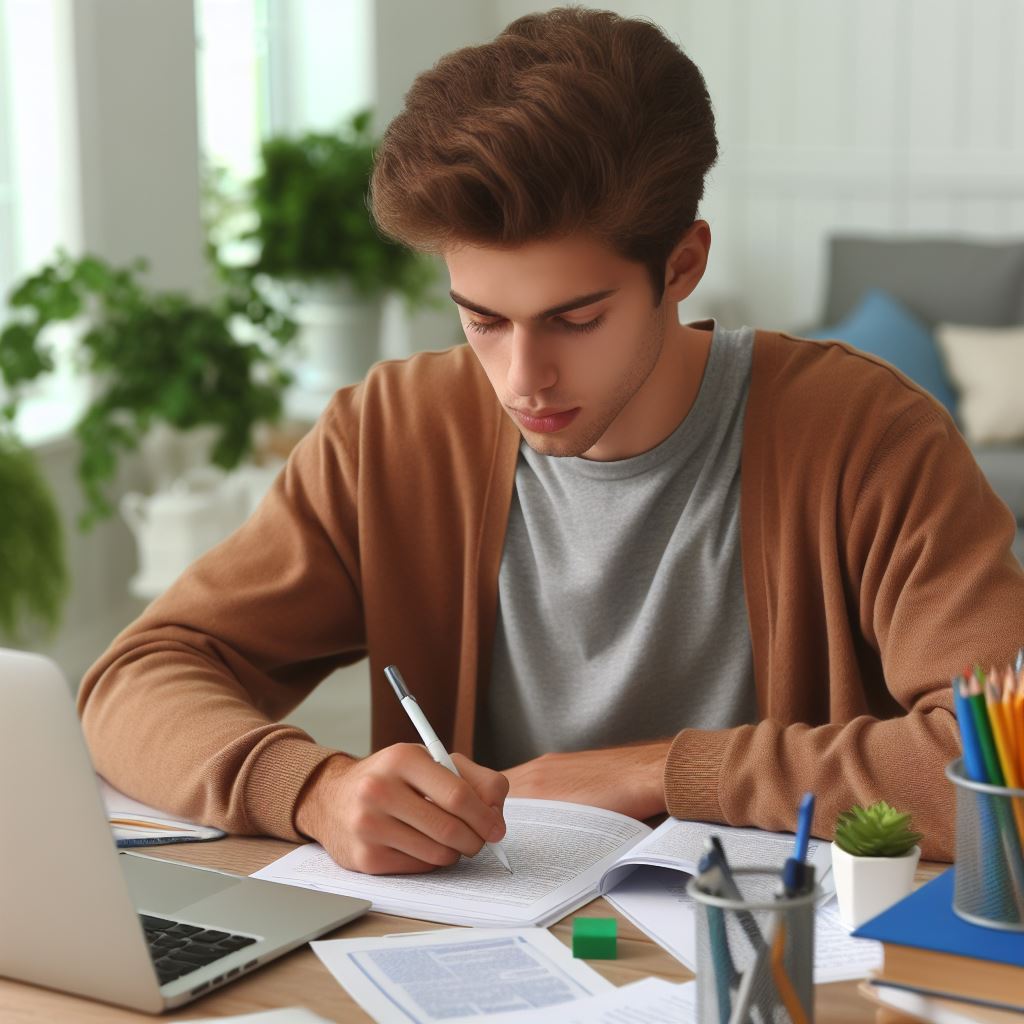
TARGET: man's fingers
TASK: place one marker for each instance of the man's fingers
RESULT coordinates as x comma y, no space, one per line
396,835
447,792
490,785
438,826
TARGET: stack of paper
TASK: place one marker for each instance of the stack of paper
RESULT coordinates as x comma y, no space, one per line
136,824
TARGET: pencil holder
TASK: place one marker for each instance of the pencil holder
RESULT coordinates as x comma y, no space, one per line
755,956
989,886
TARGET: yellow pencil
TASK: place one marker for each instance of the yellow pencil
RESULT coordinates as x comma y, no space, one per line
994,704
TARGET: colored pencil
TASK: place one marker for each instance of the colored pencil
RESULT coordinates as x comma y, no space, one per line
1018,708
976,700
1011,726
974,762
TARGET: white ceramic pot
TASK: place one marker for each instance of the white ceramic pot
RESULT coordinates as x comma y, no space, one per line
339,335
865,886
175,526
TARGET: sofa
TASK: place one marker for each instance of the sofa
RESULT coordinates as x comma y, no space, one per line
921,284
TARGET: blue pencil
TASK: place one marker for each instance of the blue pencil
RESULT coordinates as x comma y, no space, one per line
974,762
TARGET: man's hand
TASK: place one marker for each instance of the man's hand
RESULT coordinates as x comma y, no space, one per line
623,779
398,811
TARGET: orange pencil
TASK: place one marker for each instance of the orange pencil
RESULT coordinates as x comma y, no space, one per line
1009,764
1010,723
1018,713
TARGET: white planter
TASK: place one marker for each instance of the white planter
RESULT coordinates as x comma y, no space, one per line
865,886
173,527
339,335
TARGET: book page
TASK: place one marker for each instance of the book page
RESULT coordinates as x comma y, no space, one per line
679,845
558,852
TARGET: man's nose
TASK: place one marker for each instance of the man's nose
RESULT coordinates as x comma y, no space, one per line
531,365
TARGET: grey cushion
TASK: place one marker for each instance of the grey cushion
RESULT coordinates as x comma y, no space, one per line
942,280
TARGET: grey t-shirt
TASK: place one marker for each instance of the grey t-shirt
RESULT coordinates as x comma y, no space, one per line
621,613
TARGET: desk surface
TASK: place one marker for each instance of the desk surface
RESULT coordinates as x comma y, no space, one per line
299,979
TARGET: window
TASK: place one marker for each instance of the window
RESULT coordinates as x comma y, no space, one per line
39,198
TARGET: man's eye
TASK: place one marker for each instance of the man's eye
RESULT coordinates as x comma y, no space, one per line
483,327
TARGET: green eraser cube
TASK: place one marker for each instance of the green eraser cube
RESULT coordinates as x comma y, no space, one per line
593,938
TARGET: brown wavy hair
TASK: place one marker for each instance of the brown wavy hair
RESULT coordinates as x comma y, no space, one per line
570,120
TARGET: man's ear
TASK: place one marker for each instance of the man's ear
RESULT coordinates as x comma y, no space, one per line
688,261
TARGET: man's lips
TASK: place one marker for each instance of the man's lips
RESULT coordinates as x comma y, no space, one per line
545,421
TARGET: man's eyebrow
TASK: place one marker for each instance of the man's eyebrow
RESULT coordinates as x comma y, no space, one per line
565,307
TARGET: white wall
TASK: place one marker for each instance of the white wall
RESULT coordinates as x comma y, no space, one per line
888,116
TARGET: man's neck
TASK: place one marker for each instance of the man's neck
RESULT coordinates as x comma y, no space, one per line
664,399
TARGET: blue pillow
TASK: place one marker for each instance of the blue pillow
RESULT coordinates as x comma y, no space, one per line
885,327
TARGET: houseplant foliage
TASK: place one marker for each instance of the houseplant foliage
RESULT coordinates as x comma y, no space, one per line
874,857
151,356
33,573
875,831
312,221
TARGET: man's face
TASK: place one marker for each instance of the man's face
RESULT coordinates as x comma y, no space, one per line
563,375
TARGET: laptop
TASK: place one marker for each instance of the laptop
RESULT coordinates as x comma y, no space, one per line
80,916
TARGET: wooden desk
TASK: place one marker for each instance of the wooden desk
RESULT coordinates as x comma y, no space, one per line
299,979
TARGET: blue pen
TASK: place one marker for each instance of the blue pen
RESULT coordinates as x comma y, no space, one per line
795,876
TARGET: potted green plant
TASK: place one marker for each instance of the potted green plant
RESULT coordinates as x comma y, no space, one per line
314,233
874,857
33,573
151,358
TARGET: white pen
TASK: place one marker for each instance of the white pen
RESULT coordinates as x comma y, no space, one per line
434,746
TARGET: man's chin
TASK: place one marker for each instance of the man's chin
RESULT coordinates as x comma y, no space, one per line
558,445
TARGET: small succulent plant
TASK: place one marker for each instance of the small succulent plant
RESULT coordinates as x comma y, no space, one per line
875,831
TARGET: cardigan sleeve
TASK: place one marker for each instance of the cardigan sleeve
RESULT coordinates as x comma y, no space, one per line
930,584
182,710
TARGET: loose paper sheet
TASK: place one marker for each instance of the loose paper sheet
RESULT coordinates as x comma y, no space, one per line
650,1001
458,976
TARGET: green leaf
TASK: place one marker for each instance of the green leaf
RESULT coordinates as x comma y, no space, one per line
33,572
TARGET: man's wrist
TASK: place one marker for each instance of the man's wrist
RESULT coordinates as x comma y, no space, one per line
309,807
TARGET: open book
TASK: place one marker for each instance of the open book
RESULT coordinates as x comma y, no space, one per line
563,855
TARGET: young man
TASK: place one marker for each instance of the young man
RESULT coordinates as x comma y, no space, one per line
619,560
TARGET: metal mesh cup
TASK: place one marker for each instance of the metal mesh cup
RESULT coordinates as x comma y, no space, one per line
755,956
989,886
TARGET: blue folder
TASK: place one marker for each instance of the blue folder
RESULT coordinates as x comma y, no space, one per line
925,920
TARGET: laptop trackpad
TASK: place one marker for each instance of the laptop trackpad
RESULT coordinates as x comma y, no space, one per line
161,887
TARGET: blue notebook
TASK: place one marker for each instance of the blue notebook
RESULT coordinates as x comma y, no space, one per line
925,920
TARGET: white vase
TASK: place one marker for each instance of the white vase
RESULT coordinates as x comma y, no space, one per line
339,335
173,527
865,886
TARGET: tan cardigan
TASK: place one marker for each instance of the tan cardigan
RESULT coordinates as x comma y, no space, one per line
876,558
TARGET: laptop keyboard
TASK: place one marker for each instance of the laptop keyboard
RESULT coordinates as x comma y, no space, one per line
178,949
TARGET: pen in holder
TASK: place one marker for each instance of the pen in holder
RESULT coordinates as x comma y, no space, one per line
989,851
755,955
